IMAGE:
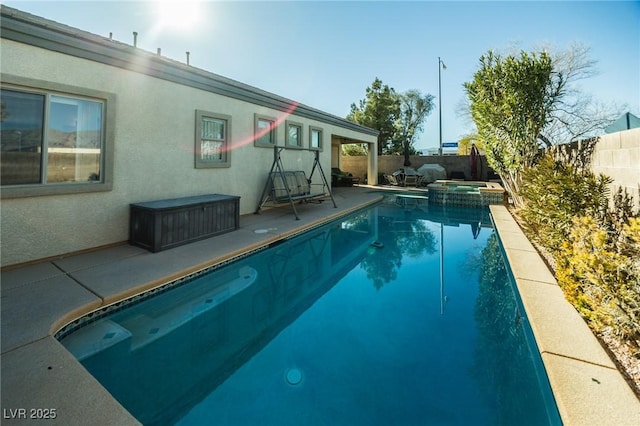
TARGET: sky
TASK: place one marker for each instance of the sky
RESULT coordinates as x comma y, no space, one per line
324,54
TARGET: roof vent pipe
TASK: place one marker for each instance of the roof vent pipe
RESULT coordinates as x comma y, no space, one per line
159,51
135,39
110,36
188,53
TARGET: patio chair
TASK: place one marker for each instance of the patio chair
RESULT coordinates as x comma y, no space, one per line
392,180
411,180
340,178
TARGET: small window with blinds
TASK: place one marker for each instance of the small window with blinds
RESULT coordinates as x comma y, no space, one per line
212,140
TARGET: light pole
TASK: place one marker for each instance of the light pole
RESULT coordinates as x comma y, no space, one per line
441,66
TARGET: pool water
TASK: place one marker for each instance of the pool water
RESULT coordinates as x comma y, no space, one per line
400,314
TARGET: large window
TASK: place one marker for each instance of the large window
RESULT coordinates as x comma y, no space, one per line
294,134
265,131
315,138
49,138
212,140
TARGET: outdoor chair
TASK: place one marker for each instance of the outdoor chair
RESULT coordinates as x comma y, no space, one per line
391,179
340,178
411,180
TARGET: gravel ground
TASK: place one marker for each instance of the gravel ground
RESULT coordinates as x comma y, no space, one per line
623,356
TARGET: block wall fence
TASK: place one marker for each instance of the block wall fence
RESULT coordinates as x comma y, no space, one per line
616,155
387,164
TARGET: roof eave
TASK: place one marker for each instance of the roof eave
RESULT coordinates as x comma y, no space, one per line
29,29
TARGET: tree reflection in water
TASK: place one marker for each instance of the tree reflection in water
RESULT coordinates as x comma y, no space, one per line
503,355
408,236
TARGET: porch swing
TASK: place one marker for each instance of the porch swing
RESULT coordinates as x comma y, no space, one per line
284,186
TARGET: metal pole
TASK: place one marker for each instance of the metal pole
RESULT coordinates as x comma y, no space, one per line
440,103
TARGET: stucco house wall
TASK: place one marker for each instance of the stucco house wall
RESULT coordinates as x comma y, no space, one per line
152,121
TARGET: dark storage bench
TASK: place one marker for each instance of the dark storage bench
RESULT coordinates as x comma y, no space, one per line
163,224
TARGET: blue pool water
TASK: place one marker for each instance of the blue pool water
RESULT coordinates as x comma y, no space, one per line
400,314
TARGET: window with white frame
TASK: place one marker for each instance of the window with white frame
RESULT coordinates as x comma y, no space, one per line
294,134
49,138
212,140
315,138
265,131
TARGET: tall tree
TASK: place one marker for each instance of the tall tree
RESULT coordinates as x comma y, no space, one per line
379,110
521,103
355,149
414,108
575,115
511,99
399,117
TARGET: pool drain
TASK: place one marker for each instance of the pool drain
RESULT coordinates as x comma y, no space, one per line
293,376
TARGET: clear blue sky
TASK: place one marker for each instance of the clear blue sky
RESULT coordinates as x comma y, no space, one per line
325,54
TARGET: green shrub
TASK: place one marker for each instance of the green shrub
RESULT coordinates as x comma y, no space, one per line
596,247
619,217
602,282
554,193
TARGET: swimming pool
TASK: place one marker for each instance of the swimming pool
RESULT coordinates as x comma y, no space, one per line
402,313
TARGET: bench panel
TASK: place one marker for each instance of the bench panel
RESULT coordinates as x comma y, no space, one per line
163,224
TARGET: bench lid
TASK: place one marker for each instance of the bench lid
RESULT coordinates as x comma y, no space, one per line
184,201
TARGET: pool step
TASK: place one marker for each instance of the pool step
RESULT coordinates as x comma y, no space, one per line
147,329
97,337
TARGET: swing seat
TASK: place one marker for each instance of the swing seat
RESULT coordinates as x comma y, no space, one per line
289,186
296,182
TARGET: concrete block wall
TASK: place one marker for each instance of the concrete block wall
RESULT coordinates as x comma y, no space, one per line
617,155
387,164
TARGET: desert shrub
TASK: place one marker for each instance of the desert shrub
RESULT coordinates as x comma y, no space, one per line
630,248
601,280
618,217
554,193
595,245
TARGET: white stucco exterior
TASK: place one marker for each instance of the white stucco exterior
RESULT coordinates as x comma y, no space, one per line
153,153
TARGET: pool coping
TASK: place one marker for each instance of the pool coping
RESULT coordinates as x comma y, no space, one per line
587,386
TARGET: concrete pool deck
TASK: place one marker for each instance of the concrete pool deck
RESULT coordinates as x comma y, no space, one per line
40,378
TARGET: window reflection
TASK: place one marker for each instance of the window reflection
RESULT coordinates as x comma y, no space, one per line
21,128
75,135
73,145
316,136
293,135
264,127
211,148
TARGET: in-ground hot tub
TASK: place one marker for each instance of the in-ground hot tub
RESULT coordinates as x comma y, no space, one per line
465,193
